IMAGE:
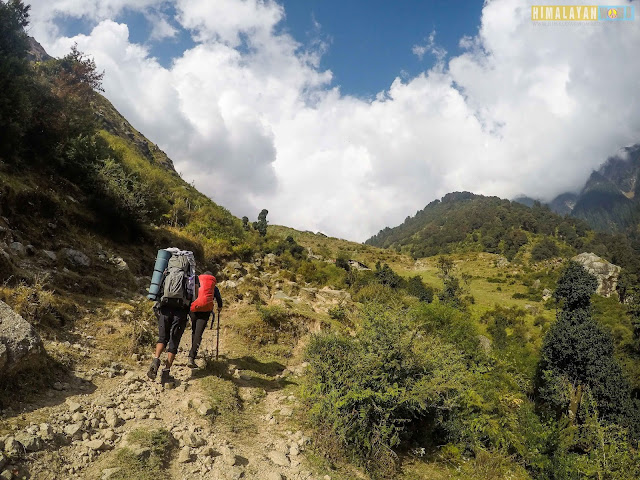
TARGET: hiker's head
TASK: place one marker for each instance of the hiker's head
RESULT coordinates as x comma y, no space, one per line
208,272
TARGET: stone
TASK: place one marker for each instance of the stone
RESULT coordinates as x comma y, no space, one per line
3,460
279,458
274,476
606,273
18,248
119,263
73,430
205,409
185,455
30,249
546,294
75,258
286,411
30,442
193,440
12,447
73,406
227,456
22,345
49,255
6,475
112,418
108,473
96,445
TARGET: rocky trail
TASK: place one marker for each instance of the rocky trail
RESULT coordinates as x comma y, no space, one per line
99,422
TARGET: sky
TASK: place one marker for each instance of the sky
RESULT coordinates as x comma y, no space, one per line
348,116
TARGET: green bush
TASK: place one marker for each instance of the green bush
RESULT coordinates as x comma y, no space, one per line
371,392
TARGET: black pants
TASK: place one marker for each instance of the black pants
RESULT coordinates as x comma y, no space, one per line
171,324
199,322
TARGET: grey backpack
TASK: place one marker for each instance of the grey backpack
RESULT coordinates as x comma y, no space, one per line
175,290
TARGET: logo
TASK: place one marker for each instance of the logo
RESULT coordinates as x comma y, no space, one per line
582,13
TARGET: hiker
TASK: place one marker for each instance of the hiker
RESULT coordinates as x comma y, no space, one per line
179,287
201,310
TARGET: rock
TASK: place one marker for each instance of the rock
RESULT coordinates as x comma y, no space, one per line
205,409
6,475
18,249
96,445
546,294
108,473
279,458
73,406
501,262
606,273
12,447
274,476
185,455
49,255
30,442
119,263
286,411
111,417
30,249
234,266
22,345
74,430
3,460
193,440
227,456
75,257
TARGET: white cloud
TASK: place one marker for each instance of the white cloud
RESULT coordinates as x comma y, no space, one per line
430,47
161,28
252,119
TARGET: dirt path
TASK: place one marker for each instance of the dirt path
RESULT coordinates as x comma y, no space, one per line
256,437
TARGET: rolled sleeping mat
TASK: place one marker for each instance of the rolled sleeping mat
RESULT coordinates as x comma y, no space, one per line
162,260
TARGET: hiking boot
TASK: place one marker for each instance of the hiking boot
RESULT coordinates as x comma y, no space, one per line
166,377
192,363
153,368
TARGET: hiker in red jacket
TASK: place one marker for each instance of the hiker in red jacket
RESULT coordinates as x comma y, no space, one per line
201,311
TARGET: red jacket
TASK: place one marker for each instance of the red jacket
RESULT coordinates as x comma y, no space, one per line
204,302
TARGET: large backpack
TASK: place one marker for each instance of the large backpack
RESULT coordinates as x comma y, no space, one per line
176,289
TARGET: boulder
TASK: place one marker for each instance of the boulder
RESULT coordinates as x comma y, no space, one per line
75,257
20,345
18,248
606,273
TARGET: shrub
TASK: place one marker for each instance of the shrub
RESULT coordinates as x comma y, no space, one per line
544,250
371,392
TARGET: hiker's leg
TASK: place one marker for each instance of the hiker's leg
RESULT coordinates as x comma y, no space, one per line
193,317
201,320
164,331
178,324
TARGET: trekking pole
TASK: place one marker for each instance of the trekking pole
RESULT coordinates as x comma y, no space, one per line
218,337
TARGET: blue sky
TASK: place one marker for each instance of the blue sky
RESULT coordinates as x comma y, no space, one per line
518,109
369,42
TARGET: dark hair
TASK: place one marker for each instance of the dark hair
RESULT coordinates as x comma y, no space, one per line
208,273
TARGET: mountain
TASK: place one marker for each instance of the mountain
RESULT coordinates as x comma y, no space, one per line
608,201
463,221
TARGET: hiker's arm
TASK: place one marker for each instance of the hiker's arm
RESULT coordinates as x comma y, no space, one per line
218,297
